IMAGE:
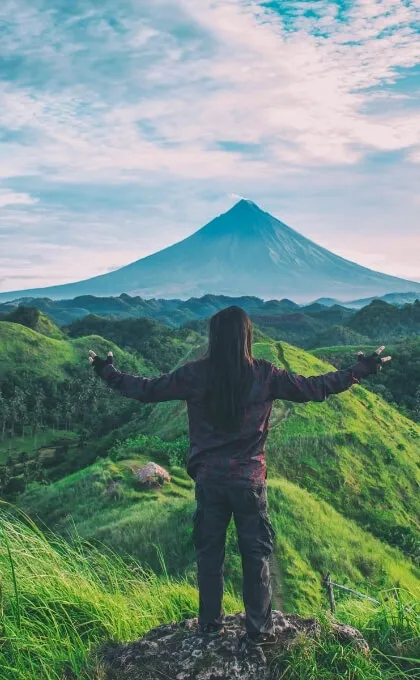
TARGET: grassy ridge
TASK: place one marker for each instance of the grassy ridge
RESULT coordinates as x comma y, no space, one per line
25,350
399,384
356,452
311,537
340,471
353,450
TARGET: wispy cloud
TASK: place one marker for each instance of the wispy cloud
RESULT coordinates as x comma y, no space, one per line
12,198
206,99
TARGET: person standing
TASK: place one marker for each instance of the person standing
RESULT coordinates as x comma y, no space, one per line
229,395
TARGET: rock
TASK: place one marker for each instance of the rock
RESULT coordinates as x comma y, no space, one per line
347,634
178,651
152,475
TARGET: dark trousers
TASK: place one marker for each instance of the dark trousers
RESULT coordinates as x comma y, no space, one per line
215,506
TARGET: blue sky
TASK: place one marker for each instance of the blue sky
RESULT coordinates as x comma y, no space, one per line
125,126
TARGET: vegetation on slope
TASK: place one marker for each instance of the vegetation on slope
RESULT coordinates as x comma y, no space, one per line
60,603
312,537
340,471
47,387
399,384
382,321
159,345
356,452
353,450
35,319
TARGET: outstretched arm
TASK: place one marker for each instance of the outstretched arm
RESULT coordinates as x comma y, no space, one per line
286,385
174,385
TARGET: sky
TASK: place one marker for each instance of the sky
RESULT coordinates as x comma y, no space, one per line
126,126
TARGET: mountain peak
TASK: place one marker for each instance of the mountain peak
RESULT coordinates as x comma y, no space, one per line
244,251
245,217
245,205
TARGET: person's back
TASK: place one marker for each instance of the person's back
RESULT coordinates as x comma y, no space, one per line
221,456
229,396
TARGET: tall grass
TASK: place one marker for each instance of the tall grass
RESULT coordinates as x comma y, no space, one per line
59,602
391,628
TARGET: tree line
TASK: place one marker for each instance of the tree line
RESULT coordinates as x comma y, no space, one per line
79,403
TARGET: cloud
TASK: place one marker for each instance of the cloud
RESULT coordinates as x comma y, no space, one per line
238,197
213,71
185,101
12,198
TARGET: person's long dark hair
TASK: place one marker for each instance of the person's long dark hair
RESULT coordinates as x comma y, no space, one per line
229,367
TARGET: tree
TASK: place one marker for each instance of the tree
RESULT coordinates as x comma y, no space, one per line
4,414
417,404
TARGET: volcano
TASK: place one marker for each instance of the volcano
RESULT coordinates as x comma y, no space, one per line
244,251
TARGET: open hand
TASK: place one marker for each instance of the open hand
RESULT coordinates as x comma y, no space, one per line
373,361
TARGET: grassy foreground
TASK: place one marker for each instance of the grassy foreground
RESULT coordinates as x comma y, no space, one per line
59,603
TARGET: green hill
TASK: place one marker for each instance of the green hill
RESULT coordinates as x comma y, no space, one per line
35,319
48,391
399,384
343,496
52,404
160,346
312,537
24,350
339,335
354,450
383,321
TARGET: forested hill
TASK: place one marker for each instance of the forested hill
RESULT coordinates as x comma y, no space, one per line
310,326
399,384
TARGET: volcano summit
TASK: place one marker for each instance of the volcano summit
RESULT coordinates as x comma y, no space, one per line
244,251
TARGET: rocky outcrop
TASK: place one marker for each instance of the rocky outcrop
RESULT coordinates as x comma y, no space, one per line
151,475
178,651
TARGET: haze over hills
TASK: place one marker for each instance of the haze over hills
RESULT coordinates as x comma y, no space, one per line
398,299
244,251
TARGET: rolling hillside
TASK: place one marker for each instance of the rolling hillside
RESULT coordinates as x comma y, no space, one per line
312,537
343,490
399,384
354,451
62,603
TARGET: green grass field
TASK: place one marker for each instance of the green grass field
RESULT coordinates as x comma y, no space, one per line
28,351
60,604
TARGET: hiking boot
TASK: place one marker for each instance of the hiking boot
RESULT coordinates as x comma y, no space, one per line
211,629
261,639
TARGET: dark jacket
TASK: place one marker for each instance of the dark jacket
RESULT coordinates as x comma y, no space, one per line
239,457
